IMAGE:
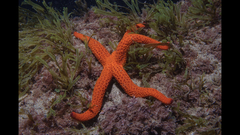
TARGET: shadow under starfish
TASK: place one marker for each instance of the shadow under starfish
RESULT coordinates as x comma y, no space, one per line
113,67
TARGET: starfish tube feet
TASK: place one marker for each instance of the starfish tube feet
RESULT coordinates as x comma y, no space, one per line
97,97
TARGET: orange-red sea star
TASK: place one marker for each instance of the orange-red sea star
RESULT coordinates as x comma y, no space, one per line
113,66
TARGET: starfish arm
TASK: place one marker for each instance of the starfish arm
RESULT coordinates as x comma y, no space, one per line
132,89
129,39
97,49
97,97
124,59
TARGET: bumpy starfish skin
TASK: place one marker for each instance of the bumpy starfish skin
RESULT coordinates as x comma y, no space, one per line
113,66
132,89
98,50
129,39
97,97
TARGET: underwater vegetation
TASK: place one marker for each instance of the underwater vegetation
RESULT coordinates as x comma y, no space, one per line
165,18
46,37
206,12
45,40
169,22
124,21
47,49
80,8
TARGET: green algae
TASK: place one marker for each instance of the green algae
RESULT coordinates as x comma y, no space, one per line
125,21
207,12
81,8
165,14
192,122
169,22
42,38
141,58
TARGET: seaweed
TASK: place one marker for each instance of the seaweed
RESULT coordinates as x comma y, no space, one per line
169,22
45,42
144,80
190,121
89,62
192,85
138,57
88,53
44,37
26,18
199,124
172,62
205,12
142,62
173,24
56,101
113,45
80,8
123,21
165,18
63,80
197,95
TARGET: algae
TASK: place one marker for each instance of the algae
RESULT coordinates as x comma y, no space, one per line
42,40
81,8
125,21
46,35
205,12
169,22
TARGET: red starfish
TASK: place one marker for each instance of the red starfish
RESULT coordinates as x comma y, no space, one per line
113,66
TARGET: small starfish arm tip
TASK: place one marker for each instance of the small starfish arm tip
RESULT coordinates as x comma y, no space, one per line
162,47
170,101
140,25
78,35
163,98
72,113
83,116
